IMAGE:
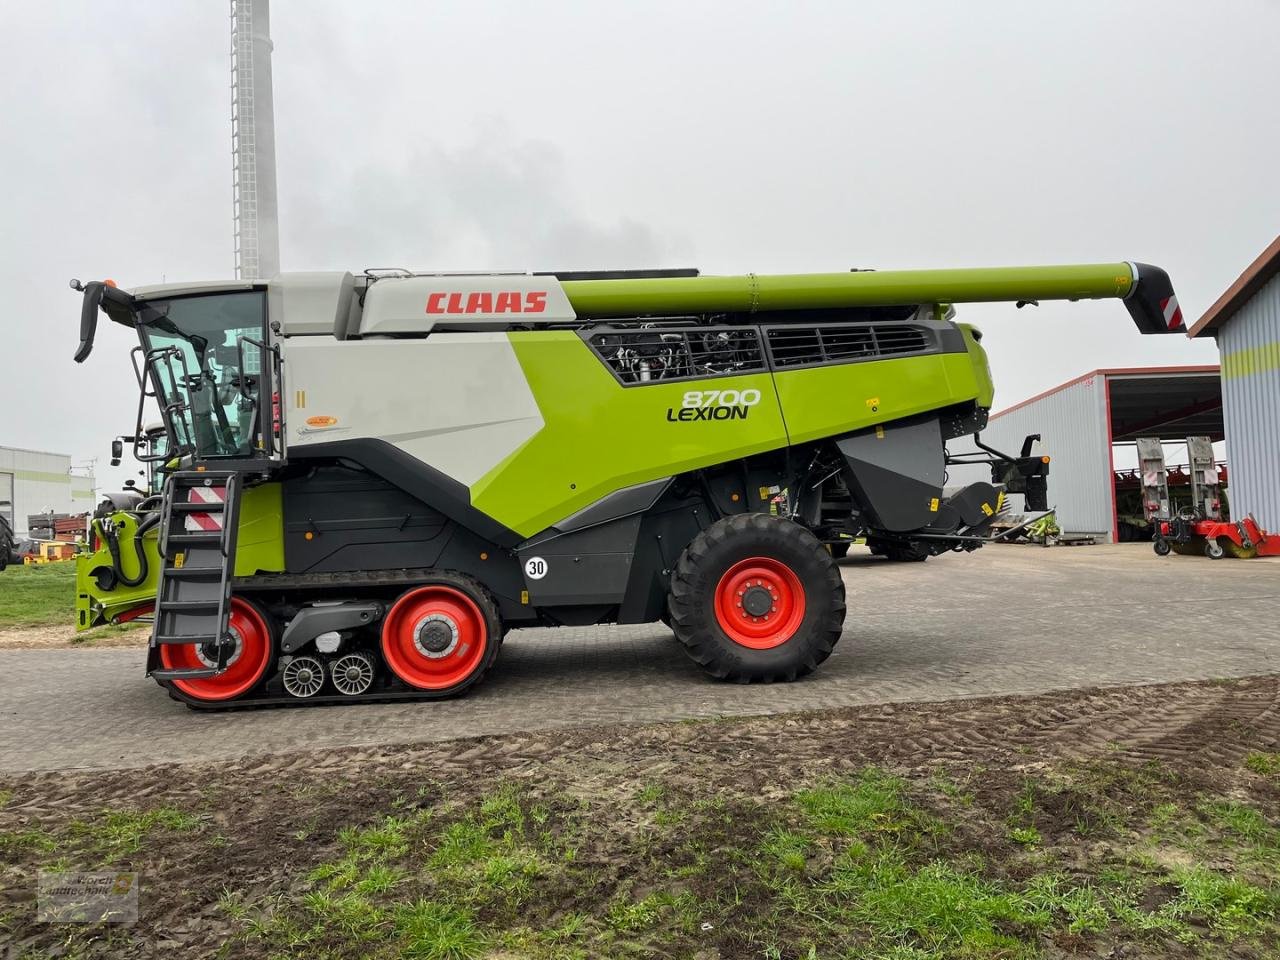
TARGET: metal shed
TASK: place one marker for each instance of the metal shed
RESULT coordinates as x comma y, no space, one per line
1245,321
1081,420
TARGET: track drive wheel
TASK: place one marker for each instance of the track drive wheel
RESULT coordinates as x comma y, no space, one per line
442,636
250,630
756,598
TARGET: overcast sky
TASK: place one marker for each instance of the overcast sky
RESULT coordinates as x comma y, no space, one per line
730,136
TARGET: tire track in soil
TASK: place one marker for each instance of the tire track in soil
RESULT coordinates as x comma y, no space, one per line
1206,723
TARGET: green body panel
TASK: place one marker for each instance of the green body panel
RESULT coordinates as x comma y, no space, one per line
600,436
259,549
260,538
827,401
981,366
751,293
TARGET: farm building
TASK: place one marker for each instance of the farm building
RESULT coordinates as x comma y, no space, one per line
1086,426
32,481
1245,322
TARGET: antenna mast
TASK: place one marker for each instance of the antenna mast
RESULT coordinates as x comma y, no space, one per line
253,143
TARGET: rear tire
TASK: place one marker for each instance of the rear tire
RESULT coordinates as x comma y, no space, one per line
757,598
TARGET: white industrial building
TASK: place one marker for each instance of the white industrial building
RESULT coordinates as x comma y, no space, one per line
1245,321
1084,422
33,481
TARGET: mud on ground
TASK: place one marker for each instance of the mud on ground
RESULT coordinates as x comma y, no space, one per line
1124,822
45,638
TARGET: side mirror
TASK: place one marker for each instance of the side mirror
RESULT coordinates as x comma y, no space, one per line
88,319
117,451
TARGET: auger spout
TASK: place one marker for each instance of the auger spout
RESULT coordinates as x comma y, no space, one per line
1146,291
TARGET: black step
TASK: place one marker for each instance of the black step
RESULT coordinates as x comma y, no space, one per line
187,606
212,538
194,573
186,673
200,638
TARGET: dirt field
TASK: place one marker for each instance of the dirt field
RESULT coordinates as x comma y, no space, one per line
1127,822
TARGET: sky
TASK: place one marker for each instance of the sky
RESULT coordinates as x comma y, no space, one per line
730,136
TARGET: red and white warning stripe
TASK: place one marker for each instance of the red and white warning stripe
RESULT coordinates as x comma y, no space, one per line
205,521
1172,313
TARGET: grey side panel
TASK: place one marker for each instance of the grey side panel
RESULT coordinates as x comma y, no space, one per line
589,566
620,503
895,472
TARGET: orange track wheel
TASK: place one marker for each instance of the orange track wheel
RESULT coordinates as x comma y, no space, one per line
435,638
759,603
245,667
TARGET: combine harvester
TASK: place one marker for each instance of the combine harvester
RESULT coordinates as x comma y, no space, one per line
371,479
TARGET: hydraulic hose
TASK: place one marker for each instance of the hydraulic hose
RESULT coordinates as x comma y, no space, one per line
113,547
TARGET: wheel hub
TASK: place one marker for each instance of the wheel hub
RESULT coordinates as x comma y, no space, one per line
435,636
207,653
757,601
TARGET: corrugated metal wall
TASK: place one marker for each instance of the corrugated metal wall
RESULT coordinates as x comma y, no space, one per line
1073,424
1250,346
42,481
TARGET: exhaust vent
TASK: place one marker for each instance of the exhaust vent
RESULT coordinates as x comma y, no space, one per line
844,343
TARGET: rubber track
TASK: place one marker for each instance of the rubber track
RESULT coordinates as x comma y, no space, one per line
407,578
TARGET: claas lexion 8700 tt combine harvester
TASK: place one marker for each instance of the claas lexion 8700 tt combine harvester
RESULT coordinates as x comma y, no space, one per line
370,479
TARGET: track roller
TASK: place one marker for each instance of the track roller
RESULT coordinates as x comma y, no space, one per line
352,673
303,677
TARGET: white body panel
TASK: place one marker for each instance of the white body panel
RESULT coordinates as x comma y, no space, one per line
317,303
458,402
406,305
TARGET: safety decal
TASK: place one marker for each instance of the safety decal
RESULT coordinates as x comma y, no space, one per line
199,522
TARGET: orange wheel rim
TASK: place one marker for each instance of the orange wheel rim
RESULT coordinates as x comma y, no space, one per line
434,637
759,603
245,666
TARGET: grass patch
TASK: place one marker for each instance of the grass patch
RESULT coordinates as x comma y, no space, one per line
13,842
875,864
38,595
1265,764
118,833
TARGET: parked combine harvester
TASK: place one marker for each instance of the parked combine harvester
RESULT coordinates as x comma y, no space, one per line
371,479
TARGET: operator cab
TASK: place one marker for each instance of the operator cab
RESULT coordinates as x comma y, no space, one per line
203,356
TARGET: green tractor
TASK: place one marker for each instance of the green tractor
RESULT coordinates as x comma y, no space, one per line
369,479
